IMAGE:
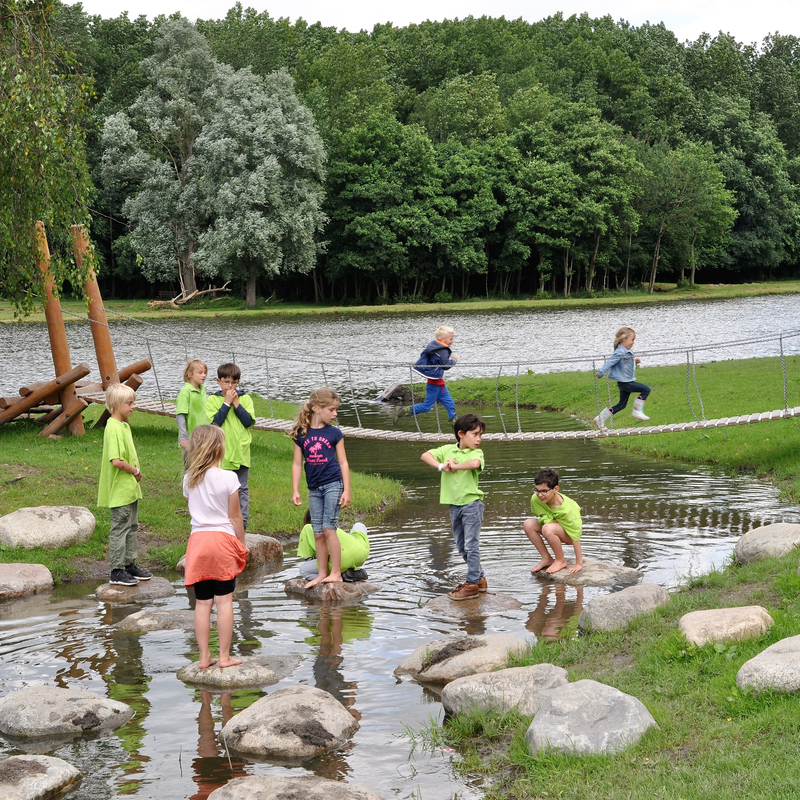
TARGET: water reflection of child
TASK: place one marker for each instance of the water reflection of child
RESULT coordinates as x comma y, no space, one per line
549,624
621,367
556,520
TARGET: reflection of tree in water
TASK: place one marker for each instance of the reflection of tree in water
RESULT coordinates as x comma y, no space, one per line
550,624
212,768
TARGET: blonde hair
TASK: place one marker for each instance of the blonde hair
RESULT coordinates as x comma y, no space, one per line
191,367
206,450
324,398
443,331
117,394
623,333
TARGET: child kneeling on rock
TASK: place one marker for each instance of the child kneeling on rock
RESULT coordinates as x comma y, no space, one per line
355,550
216,553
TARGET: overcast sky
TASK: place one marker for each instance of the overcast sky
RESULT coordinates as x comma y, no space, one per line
747,20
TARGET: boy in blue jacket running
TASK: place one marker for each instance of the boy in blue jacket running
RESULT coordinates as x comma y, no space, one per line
434,360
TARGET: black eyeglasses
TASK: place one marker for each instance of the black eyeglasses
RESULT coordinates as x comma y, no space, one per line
543,491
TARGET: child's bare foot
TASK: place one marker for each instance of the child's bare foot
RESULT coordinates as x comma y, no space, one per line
229,662
207,664
575,568
334,577
556,566
545,562
312,583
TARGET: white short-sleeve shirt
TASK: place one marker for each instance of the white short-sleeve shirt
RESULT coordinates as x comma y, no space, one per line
208,501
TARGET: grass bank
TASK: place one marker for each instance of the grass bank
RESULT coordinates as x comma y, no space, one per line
36,471
230,307
713,740
770,450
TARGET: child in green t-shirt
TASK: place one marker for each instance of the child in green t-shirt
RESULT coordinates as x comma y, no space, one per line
190,407
232,410
556,520
460,465
119,487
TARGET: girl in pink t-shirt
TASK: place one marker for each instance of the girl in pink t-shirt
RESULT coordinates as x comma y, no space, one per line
216,553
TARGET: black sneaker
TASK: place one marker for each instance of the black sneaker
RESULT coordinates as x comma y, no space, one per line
352,575
122,577
137,572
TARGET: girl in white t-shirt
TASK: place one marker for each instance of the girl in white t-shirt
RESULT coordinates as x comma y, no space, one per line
216,553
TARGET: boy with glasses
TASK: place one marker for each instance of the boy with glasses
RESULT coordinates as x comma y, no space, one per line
556,521
232,410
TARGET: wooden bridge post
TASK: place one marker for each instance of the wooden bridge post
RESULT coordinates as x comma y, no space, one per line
99,324
57,332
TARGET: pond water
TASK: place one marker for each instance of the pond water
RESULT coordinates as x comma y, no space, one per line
667,519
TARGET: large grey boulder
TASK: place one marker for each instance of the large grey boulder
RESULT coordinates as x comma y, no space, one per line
724,624
594,573
294,723
480,606
278,787
330,592
252,673
17,580
587,718
158,619
142,593
777,668
38,711
36,777
260,550
521,689
47,526
611,612
768,541
444,660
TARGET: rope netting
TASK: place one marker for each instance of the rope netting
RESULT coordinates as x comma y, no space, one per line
281,378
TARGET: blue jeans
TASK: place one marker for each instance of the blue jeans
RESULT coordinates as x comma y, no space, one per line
323,503
467,521
435,394
626,389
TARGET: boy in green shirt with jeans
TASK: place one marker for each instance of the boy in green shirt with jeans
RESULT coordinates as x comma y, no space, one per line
119,487
460,465
556,520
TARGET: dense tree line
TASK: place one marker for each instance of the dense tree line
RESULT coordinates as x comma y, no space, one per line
466,157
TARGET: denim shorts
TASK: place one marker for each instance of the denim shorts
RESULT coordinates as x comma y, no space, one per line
323,503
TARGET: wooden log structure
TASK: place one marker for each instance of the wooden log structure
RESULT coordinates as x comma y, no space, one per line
134,382
24,404
57,332
64,418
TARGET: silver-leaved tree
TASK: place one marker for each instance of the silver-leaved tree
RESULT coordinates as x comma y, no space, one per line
226,168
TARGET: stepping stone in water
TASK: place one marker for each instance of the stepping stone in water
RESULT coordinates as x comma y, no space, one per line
36,777
725,624
18,580
252,673
341,591
278,787
142,593
158,619
480,606
594,573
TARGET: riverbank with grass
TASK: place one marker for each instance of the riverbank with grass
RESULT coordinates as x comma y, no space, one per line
228,307
36,471
770,450
713,740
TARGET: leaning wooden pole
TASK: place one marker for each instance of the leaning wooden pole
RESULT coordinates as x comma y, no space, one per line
57,333
97,315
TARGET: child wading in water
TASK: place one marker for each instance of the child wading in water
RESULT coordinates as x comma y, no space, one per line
556,520
321,445
621,367
216,553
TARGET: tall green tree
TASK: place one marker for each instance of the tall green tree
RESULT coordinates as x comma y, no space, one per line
43,168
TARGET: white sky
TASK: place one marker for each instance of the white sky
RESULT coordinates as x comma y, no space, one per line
747,20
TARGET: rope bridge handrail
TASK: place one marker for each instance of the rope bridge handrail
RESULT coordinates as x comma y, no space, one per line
284,425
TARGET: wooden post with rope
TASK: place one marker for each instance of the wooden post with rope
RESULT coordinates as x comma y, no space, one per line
58,340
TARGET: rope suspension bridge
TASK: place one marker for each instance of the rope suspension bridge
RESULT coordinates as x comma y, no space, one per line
339,375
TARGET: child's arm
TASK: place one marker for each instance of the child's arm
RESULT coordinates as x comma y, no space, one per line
244,415
430,460
341,457
235,515
297,468
183,431
126,467
578,565
474,463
